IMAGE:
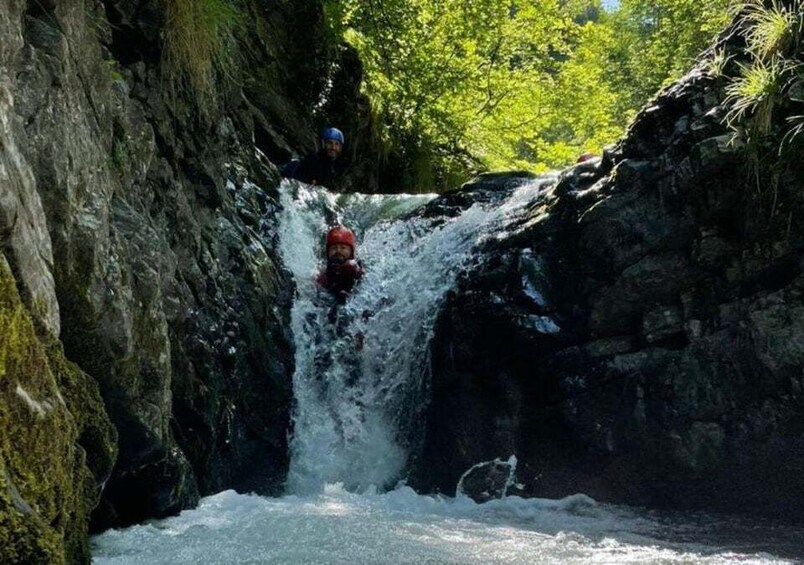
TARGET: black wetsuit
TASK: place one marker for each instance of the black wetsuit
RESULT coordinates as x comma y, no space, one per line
317,169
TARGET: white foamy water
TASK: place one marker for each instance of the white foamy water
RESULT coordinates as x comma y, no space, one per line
357,416
338,527
356,409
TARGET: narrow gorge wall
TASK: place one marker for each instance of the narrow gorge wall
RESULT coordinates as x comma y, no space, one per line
139,229
639,335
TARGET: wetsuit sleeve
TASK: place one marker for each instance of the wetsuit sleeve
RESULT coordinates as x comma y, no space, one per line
307,171
289,170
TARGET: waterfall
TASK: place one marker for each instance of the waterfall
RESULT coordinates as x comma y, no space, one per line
358,412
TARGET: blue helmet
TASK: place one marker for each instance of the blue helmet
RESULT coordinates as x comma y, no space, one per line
332,133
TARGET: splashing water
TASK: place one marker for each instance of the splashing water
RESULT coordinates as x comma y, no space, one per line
339,527
356,412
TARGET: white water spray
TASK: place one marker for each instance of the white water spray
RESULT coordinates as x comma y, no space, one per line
356,411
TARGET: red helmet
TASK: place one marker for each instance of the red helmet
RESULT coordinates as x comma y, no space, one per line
585,157
340,234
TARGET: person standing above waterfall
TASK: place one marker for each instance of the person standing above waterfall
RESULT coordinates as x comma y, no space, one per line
326,167
342,271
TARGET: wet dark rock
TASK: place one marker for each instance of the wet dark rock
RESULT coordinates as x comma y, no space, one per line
486,189
637,335
495,182
661,323
141,230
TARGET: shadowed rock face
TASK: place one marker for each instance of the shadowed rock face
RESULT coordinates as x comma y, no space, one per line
140,231
639,334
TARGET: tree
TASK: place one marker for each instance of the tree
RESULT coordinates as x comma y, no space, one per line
460,86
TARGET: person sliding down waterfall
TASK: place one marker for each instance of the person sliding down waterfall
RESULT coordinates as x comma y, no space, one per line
342,271
338,278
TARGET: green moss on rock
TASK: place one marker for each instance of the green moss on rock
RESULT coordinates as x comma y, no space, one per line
51,418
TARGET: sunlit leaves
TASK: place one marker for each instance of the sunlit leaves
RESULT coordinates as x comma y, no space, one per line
658,39
515,83
772,31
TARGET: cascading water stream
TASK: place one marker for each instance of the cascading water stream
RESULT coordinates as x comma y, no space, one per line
354,409
356,417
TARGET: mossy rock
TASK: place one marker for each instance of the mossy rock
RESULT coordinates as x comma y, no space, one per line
51,417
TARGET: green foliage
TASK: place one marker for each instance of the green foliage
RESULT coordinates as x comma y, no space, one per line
755,93
658,40
200,42
772,31
457,80
462,86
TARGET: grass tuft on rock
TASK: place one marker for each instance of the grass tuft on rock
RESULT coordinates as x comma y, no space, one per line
200,45
771,28
755,93
772,31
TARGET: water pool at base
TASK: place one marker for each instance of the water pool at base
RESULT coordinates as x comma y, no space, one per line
400,526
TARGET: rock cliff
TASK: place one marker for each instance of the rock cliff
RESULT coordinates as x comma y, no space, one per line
638,334
139,230
58,445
